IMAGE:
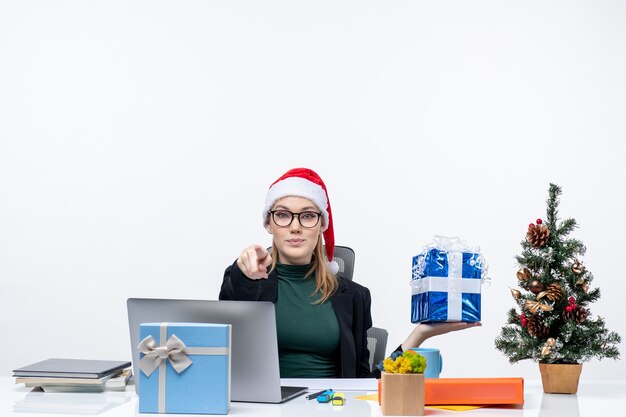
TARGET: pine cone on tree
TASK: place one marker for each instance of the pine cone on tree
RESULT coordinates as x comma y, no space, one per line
535,327
555,292
579,315
537,235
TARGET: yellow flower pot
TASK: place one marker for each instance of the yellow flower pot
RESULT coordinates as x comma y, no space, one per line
560,378
402,394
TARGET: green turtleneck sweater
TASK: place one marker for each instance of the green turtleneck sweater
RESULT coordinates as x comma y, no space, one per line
308,333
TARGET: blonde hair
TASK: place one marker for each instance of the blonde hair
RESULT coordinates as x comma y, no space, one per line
325,282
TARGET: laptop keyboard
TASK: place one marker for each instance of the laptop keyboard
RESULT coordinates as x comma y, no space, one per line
285,392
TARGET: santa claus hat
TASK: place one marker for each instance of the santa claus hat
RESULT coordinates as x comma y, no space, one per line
304,182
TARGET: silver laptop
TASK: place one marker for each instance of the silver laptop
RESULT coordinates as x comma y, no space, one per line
255,373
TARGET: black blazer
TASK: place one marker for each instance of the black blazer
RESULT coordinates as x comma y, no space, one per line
351,302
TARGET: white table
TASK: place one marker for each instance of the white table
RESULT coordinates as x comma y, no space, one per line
594,398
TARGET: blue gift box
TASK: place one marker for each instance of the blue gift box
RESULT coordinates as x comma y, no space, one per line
185,368
446,286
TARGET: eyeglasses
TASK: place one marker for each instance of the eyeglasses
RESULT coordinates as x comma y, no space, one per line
284,218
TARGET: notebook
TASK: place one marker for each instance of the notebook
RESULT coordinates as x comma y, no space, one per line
255,373
71,368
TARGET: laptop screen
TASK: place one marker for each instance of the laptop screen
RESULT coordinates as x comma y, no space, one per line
255,373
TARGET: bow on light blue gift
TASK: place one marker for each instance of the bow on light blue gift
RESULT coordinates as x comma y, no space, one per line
446,282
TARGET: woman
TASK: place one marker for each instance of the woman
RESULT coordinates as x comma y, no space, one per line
322,319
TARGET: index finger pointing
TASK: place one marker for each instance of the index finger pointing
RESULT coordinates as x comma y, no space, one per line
261,253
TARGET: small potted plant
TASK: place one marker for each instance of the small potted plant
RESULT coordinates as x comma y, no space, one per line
402,391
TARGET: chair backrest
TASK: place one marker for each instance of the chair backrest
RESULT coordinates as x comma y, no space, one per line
377,345
344,256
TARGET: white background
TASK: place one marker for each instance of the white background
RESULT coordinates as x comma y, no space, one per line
138,139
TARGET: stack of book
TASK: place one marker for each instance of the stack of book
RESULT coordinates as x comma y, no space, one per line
75,375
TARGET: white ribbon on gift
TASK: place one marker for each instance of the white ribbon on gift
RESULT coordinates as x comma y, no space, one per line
197,350
451,244
455,285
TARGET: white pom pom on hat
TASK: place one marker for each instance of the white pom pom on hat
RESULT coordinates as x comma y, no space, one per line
304,182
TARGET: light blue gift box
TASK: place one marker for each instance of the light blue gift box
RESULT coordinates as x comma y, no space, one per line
185,368
446,286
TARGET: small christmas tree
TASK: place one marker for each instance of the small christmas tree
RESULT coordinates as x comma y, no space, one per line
553,323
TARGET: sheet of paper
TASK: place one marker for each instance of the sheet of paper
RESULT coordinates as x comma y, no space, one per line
337,384
374,397
456,407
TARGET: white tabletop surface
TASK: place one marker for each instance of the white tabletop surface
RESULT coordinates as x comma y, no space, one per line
594,398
